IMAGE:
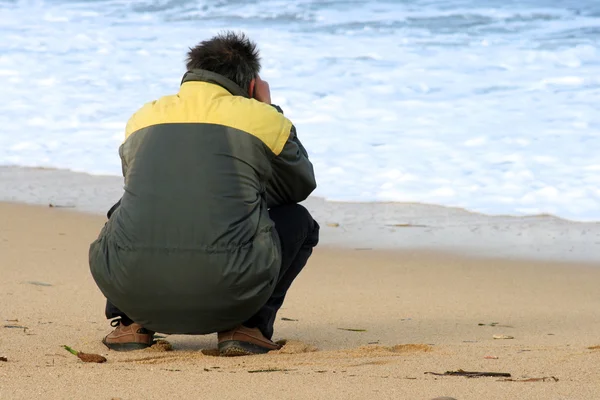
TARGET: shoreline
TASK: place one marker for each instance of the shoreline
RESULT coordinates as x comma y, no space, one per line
352,225
106,180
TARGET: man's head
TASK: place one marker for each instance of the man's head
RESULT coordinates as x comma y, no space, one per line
230,54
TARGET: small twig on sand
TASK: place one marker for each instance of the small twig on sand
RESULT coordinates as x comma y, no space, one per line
469,374
543,379
407,225
38,283
269,370
51,205
86,357
496,324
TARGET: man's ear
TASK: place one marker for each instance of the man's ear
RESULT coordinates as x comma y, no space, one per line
251,88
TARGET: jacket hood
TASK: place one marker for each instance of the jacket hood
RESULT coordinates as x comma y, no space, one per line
201,75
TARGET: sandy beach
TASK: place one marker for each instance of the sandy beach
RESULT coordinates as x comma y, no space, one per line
360,323
448,149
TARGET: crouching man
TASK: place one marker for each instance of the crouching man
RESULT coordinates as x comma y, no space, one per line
208,235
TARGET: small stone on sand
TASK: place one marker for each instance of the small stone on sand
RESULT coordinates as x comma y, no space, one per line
161,345
296,347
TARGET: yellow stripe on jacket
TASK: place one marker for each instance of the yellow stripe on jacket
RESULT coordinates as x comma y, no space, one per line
203,102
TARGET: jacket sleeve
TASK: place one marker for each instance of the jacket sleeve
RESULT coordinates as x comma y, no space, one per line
293,177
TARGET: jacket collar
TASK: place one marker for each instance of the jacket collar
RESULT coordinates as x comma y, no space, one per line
201,75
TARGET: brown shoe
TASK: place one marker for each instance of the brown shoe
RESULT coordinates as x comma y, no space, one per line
127,338
243,341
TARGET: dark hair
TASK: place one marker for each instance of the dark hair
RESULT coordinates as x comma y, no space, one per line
230,54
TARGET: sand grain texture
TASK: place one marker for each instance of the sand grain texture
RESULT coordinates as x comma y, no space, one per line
421,312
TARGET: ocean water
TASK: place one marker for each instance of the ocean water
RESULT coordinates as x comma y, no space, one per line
492,106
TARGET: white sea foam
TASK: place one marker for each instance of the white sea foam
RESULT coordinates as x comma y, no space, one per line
492,108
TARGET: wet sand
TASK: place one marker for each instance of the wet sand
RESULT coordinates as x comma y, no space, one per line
380,226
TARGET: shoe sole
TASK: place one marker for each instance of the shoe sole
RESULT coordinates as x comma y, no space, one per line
236,348
126,346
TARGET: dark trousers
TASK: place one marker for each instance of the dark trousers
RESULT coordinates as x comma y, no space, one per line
299,234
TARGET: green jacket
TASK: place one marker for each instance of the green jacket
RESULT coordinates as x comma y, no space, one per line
191,248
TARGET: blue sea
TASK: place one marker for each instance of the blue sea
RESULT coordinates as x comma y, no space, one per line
492,106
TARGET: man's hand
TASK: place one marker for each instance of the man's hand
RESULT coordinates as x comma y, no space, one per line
262,91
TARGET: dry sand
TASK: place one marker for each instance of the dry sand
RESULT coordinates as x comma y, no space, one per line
420,312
